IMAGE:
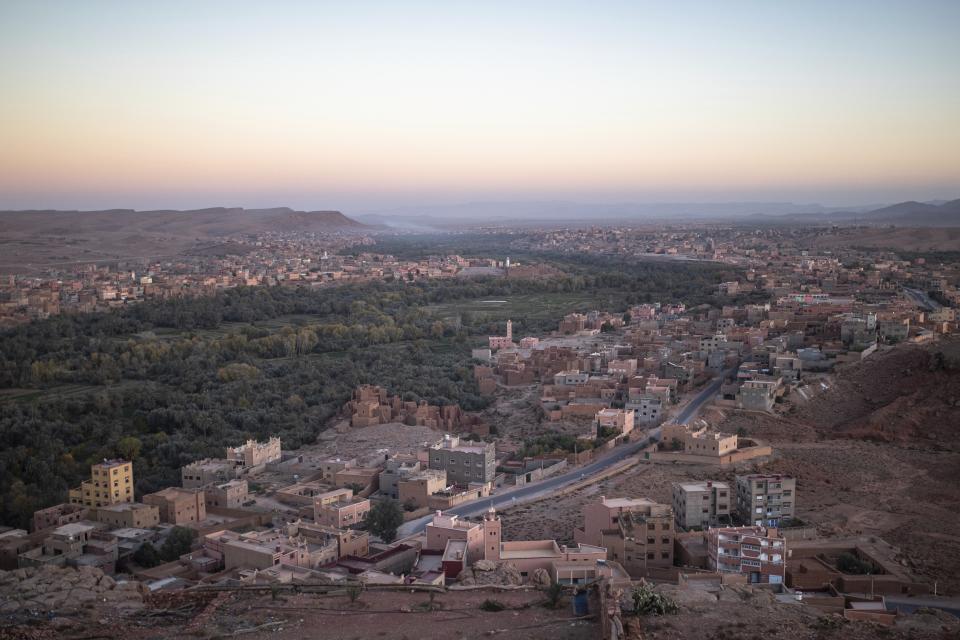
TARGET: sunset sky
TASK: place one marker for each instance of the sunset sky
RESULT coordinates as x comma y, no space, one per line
362,105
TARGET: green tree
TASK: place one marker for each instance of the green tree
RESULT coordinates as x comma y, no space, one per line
146,556
177,543
384,518
129,447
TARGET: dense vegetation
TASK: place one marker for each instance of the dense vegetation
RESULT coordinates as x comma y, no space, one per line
166,383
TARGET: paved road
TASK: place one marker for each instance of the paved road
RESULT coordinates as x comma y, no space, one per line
553,483
922,299
906,604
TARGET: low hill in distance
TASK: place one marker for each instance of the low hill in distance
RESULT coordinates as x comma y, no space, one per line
918,213
213,222
34,240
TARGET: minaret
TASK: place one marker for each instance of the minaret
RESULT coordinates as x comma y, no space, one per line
509,330
491,535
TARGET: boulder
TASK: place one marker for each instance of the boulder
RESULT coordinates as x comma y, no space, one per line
541,578
485,565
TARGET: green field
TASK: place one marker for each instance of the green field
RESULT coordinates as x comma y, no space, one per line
542,306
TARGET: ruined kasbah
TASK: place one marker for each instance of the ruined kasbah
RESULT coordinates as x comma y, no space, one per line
371,405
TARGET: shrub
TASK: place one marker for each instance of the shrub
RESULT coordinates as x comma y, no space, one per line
554,594
646,601
492,605
354,591
852,565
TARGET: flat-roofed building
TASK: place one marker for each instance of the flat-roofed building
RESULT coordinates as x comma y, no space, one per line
647,410
58,515
340,509
208,471
766,500
255,454
178,506
229,495
760,553
464,463
416,489
619,420
395,469
442,528
698,505
638,533
111,482
127,515
350,542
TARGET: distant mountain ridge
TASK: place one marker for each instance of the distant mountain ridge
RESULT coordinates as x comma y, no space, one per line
925,213
210,222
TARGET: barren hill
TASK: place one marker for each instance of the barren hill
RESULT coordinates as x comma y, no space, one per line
31,240
213,222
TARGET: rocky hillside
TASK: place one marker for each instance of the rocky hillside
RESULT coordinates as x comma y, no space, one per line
910,394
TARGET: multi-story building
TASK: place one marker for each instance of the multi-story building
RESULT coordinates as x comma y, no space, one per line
758,552
443,528
464,463
340,509
698,505
766,500
178,506
619,420
757,395
647,410
111,482
638,533
229,495
264,550
396,469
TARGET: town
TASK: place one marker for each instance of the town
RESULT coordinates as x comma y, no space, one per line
479,320
422,503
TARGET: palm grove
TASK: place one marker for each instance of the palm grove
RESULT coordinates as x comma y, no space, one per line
169,382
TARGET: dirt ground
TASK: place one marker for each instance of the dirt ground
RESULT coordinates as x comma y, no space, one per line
347,442
743,613
876,454
391,615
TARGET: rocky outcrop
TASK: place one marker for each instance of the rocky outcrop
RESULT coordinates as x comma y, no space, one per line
541,578
487,572
65,590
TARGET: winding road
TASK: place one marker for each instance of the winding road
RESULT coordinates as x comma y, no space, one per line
552,484
923,300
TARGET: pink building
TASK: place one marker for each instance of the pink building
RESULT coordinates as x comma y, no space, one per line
442,529
620,420
502,342
758,552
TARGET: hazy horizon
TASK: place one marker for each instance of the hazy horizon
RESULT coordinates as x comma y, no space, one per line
375,106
